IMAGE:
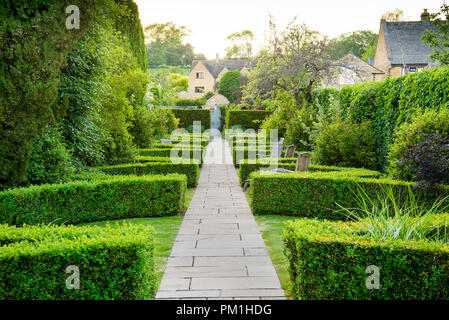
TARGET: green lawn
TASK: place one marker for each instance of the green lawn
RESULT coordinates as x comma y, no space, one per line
271,227
166,229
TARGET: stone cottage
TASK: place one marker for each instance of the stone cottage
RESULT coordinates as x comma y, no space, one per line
400,50
205,75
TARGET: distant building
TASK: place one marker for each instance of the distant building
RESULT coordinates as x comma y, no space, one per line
205,75
351,70
400,50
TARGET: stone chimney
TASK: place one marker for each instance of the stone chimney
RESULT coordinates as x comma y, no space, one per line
217,58
425,16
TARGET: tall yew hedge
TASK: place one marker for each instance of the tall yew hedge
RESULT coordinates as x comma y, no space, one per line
34,45
391,102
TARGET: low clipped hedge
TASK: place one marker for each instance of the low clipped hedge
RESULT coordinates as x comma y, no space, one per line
247,167
329,260
95,200
114,263
191,170
166,153
246,152
143,159
248,119
309,194
188,116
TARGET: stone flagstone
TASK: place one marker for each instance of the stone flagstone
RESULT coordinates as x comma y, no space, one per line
219,252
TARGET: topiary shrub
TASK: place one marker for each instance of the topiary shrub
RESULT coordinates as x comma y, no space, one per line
230,85
410,134
346,144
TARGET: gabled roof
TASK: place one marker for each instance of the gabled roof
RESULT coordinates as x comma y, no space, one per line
215,67
350,59
404,44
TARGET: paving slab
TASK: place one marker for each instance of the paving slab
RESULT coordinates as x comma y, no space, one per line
219,252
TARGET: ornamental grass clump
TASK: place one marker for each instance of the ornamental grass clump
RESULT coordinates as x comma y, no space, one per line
390,216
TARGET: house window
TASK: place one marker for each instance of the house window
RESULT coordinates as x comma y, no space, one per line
199,89
412,70
200,75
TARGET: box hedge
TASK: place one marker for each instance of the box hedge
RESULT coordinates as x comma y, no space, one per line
329,260
191,170
247,152
246,167
166,153
248,119
95,200
309,194
114,262
188,116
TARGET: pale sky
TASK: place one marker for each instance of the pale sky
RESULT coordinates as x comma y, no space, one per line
210,21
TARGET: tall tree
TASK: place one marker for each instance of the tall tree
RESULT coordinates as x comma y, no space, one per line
241,45
437,38
358,43
295,60
166,45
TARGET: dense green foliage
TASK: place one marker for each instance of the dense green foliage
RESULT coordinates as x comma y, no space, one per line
95,200
357,43
390,103
191,170
35,44
318,194
437,37
411,133
329,260
114,263
230,85
49,159
199,102
346,144
149,125
247,119
188,116
180,152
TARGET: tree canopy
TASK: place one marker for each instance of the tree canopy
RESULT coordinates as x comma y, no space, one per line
438,37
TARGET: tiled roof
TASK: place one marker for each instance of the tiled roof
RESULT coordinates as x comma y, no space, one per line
404,44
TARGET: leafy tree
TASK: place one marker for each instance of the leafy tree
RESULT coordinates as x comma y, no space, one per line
241,45
437,38
230,85
177,82
295,60
358,43
35,44
166,45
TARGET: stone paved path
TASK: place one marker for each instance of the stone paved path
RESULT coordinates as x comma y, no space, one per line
219,252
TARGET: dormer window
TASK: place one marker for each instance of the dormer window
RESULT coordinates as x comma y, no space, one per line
200,75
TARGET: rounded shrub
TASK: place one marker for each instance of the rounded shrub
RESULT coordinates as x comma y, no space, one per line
411,134
230,85
347,145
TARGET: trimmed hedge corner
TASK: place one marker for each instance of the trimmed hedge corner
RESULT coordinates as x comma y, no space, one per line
329,260
248,119
188,116
316,195
96,200
191,170
114,263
